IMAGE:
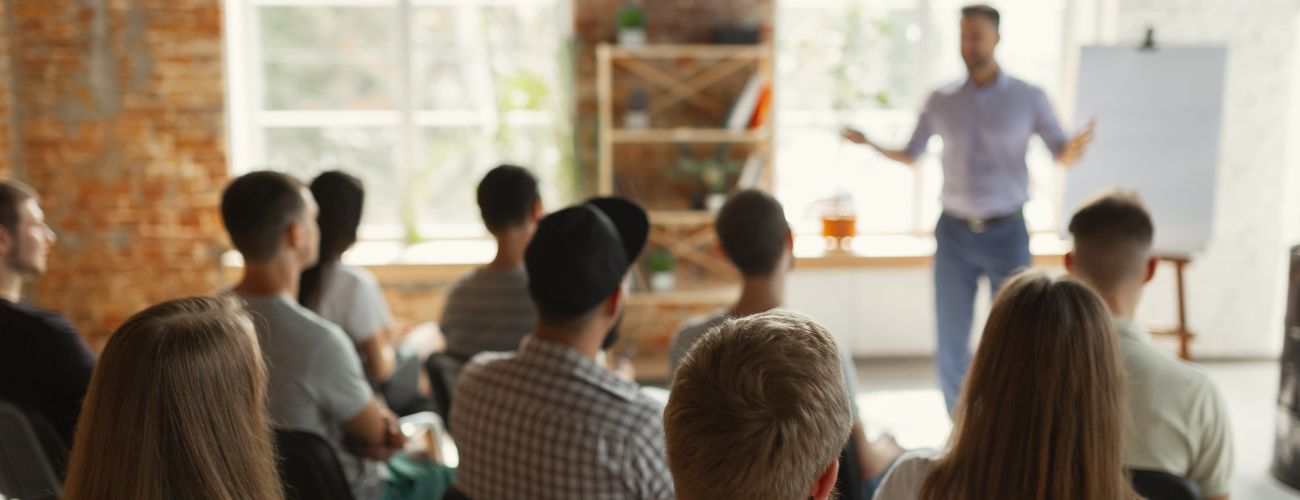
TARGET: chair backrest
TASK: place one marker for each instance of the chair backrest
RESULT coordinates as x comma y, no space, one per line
1159,485
443,369
850,483
454,494
309,468
25,469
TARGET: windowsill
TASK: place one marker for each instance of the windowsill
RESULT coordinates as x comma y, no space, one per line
394,262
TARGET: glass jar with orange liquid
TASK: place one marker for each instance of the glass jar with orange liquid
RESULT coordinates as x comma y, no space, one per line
839,223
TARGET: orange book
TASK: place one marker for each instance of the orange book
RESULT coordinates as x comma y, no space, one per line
763,109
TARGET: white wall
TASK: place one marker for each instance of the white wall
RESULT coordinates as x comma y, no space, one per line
1236,290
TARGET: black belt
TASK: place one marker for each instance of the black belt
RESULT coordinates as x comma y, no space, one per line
979,225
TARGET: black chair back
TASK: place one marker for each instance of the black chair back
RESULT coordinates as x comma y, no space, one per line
443,369
26,469
454,494
850,483
309,468
1158,485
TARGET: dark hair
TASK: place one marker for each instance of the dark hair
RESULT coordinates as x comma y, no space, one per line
985,11
1112,236
257,208
12,194
506,196
341,198
752,230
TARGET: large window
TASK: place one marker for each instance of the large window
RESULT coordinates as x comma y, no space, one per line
417,97
870,65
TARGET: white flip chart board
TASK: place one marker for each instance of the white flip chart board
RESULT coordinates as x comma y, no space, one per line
1158,115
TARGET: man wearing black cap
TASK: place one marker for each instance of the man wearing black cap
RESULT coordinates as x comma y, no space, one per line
549,421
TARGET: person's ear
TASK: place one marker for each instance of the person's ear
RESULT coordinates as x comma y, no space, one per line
614,304
1153,263
1069,262
997,38
537,210
6,242
822,488
295,235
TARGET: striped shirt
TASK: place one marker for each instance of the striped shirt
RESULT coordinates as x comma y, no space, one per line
547,422
488,311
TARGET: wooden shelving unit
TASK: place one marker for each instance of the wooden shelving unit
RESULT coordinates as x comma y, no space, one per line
691,81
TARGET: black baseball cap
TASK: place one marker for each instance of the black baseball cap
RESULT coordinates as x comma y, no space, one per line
580,255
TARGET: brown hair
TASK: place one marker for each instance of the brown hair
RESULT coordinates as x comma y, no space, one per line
1112,239
1041,412
257,207
12,194
177,409
985,11
757,410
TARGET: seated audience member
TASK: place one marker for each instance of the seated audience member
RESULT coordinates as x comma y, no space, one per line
1041,414
753,233
44,363
548,421
490,310
177,409
758,410
1177,421
350,297
315,379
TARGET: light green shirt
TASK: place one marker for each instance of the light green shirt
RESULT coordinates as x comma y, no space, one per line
1178,421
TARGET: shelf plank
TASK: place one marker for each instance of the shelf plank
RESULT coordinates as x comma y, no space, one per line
692,51
681,217
687,135
715,295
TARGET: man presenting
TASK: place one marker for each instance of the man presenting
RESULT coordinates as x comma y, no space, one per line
986,121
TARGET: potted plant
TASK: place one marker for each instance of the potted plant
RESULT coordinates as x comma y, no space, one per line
631,25
637,115
662,266
713,173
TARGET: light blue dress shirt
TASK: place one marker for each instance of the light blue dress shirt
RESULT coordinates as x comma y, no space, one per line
986,133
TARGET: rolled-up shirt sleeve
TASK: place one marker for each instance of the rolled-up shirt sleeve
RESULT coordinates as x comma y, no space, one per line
924,129
1046,125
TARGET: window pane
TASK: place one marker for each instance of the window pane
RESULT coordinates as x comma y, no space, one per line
364,152
328,57
443,48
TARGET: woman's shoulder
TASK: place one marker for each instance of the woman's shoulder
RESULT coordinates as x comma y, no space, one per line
905,479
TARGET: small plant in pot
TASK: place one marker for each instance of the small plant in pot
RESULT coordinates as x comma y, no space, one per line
714,174
631,25
662,266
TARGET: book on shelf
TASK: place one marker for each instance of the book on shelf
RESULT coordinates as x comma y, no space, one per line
763,109
742,111
751,172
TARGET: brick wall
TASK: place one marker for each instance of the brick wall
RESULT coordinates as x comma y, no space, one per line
6,98
120,112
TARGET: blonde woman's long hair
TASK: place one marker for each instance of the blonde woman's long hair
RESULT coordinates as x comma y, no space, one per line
177,409
1041,412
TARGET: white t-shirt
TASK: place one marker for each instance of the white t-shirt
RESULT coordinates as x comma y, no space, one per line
351,298
1178,421
905,480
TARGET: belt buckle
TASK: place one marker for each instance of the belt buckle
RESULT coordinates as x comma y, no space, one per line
977,225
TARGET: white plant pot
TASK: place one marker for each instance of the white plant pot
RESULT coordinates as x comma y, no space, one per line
636,120
714,202
631,37
663,281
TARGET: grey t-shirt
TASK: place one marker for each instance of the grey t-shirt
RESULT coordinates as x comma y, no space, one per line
689,334
351,298
488,311
315,382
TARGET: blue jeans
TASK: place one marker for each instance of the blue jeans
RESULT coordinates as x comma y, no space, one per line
961,257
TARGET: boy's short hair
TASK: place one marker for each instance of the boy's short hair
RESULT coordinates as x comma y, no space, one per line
1112,233
12,195
758,409
752,231
257,207
506,197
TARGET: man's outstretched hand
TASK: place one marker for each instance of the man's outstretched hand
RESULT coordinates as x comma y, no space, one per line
1078,145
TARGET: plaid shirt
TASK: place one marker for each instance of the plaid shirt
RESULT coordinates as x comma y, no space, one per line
547,422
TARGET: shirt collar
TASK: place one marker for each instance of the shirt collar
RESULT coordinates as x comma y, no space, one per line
566,359
999,81
1129,329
